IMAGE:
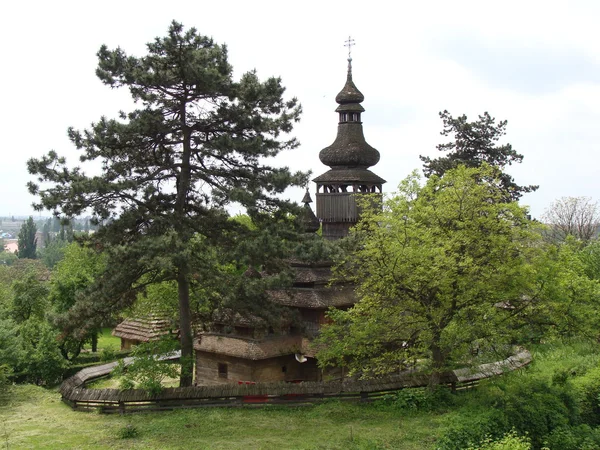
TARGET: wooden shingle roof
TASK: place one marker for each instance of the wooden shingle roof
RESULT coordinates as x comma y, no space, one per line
144,329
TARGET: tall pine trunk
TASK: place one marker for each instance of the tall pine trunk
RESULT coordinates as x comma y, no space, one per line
183,273
185,330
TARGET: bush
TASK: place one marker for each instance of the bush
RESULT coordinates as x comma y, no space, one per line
418,399
530,407
587,390
470,430
510,441
129,431
43,363
108,354
147,371
582,437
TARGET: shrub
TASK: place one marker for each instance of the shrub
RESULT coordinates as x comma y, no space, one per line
129,431
582,437
147,370
510,441
418,399
469,430
43,363
587,389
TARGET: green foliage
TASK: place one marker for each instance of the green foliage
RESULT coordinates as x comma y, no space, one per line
27,241
73,275
450,267
108,354
418,399
43,364
147,371
587,386
198,142
510,441
581,437
53,252
475,144
431,269
129,431
590,257
7,258
11,351
30,298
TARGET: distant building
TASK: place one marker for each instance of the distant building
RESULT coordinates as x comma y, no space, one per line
11,246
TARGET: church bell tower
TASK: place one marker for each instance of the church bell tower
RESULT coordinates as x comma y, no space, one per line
349,158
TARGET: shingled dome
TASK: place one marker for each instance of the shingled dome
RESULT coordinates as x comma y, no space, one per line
349,158
349,150
349,93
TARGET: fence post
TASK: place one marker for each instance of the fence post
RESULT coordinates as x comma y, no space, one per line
364,396
121,407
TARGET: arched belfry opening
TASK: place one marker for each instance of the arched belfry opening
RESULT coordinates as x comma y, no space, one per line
349,158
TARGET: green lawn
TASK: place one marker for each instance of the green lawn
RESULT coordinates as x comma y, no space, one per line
33,417
108,341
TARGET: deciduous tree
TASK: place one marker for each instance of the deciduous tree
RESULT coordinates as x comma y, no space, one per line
197,142
445,268
573,216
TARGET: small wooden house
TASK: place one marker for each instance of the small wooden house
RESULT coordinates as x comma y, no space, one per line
134,331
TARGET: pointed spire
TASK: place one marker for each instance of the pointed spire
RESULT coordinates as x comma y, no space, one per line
309,220
350,93
306,200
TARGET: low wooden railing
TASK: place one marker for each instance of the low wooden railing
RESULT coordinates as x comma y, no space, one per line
75,394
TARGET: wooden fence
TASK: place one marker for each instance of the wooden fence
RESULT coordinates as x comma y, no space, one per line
75,394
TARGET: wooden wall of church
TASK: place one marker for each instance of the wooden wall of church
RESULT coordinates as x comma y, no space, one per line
282,368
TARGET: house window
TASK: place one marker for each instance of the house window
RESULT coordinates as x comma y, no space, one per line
222,370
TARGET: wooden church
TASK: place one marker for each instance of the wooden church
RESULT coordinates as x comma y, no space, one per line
249,352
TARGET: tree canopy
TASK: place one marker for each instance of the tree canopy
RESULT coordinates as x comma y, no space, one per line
446,268
475,143
27,243
197,142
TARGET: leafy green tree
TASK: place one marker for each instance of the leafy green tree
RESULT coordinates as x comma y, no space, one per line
447,268
75,273
42,362
148,370
27,241
475,143
11,352
53,252
197,142
590,257
30,298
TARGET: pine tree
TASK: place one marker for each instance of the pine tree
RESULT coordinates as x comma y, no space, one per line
476,143
27,242
196,143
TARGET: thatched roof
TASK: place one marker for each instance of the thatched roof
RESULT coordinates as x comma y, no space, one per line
314,298
247,348
144,329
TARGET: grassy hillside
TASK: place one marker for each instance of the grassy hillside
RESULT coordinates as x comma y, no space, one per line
33,417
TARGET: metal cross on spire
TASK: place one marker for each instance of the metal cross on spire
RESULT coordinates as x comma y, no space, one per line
349,43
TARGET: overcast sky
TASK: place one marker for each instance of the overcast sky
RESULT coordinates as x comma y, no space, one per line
533,63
